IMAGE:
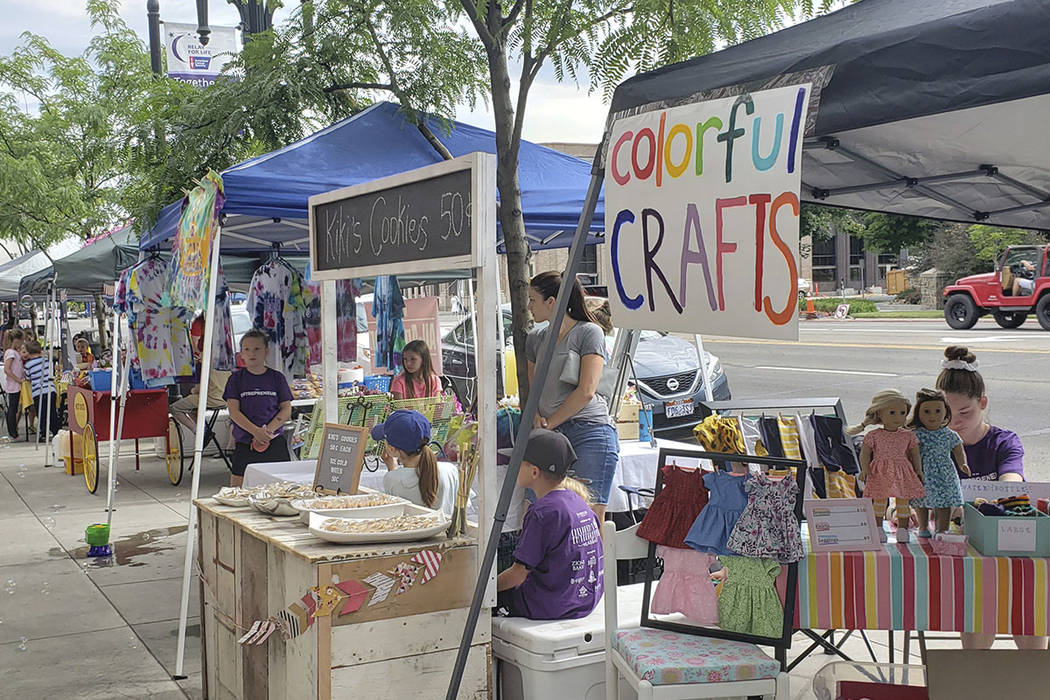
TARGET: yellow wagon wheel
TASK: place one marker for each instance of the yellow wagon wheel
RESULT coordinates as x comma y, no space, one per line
89,456
173,455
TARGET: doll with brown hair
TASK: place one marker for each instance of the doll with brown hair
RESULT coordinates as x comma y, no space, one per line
940,449
890,465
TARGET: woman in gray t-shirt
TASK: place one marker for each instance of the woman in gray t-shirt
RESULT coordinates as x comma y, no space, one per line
575,410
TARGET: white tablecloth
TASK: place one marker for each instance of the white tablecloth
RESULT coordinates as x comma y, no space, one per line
301,472
638,464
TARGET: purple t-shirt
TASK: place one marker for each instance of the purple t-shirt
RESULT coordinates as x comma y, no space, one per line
998,452
260,395
561,545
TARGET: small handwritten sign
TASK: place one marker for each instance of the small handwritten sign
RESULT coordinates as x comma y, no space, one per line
341,458
1017,534
841,525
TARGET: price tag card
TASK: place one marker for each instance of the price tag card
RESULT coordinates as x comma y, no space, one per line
841,525
342,455
1017,534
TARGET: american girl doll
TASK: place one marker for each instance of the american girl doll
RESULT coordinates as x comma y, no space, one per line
939,445
889,460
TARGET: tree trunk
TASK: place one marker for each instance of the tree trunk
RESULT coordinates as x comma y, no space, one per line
100,317
510,215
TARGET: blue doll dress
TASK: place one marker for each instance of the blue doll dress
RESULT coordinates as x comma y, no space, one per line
940,477
727,500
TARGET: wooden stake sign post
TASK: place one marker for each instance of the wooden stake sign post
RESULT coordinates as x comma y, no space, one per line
342,456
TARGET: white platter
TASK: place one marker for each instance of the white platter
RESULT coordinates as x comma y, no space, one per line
235,501
370,537
387,510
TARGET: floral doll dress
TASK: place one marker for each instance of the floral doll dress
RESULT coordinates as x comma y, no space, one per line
768,527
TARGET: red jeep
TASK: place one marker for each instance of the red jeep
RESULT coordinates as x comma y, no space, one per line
1019,286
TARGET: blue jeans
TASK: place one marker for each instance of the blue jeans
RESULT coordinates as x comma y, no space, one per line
597,449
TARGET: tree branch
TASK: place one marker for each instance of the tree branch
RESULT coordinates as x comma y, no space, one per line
487,39
359,86
512,16
555,41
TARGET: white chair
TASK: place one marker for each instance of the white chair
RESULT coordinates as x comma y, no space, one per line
665,665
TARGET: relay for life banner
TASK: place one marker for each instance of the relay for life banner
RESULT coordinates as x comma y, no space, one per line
702,216
190,61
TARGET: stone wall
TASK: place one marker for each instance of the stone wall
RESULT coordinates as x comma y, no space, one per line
931,286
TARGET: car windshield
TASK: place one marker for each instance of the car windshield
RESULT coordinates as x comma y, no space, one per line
242,323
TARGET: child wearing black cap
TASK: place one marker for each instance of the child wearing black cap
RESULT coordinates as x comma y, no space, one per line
557,570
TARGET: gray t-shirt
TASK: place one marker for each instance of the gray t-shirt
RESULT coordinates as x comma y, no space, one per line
585,339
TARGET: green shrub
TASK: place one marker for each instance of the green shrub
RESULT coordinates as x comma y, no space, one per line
911,295
829,304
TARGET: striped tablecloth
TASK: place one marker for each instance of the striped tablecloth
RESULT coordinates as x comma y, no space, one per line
909,587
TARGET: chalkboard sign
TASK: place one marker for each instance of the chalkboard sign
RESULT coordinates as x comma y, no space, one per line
421,215
341,458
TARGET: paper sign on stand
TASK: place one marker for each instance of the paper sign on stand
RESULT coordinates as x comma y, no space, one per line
702,216
342,456
842,525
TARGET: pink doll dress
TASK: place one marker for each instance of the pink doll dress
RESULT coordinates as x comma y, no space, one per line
890,474
685,586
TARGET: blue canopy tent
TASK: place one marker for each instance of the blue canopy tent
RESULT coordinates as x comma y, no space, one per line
266,196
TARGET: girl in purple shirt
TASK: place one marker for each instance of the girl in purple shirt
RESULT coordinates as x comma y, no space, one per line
991,452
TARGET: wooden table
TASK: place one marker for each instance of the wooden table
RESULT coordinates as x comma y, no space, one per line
254,567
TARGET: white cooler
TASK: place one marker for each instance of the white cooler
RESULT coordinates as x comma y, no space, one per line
565,658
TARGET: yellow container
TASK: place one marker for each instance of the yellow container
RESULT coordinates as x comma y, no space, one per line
510,372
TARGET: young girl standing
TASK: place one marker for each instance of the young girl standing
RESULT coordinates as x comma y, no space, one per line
417,379
13,374
991,452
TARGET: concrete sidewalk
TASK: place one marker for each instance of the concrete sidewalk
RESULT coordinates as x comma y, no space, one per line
77,627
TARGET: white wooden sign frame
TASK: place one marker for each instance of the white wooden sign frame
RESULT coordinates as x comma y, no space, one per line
482,261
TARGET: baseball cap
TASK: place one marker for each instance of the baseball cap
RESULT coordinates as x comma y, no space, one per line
404,429
548,450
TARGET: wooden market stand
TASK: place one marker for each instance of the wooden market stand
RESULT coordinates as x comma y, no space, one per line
255,567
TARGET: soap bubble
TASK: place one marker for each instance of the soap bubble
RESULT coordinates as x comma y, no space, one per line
22,646
10,586
45,588
133,641
22,471
49,523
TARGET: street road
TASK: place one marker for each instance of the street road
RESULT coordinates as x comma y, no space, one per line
855,359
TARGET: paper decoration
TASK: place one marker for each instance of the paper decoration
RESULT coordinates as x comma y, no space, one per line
289,624
430,560
356,594
407,574
258,634
251,632
382,585
329,599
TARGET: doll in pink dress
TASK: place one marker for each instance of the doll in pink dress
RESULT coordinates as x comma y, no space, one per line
890,465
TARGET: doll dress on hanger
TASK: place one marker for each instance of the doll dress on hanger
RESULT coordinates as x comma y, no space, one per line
716,521
749,602
890,474
768,527
685,586
674,509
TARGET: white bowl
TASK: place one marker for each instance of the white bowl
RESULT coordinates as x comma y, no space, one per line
317,519
387,510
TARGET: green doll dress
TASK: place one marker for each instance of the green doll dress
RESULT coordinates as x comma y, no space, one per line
749,603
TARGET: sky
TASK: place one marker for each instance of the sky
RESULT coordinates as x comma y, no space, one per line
556,112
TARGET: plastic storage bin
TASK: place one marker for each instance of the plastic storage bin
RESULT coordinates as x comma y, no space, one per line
560,658
984,533
377,382
101,379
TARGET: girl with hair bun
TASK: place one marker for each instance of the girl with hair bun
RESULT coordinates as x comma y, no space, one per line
991,452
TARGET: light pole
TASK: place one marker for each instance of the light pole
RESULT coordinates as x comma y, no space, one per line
256,16
153,21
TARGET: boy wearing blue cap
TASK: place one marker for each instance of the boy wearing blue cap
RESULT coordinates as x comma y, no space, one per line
557,570
413,472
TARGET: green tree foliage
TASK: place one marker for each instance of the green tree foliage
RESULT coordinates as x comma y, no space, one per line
960,250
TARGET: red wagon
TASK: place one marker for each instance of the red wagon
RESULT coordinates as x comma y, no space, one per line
145,416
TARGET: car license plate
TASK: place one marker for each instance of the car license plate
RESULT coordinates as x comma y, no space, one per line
677,409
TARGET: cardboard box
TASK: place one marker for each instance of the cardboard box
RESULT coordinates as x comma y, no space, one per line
1007,536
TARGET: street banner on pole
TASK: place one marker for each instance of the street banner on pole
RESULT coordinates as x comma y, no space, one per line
193,63
702,215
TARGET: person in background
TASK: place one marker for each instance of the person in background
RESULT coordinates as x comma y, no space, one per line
84,357
1024,278
413,472
417,379
260,403
992,453
13,375
185,409
574,410
43,389
557,570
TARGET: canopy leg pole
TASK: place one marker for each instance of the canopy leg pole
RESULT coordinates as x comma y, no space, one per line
114,440
49,337
708,391
198,448
123,385
528,413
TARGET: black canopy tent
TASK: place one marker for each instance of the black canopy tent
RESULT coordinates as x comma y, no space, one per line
934,109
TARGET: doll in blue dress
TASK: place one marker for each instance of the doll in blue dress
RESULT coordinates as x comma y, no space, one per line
943,458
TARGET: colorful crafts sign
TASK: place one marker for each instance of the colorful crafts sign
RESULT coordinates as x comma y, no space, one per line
702,215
